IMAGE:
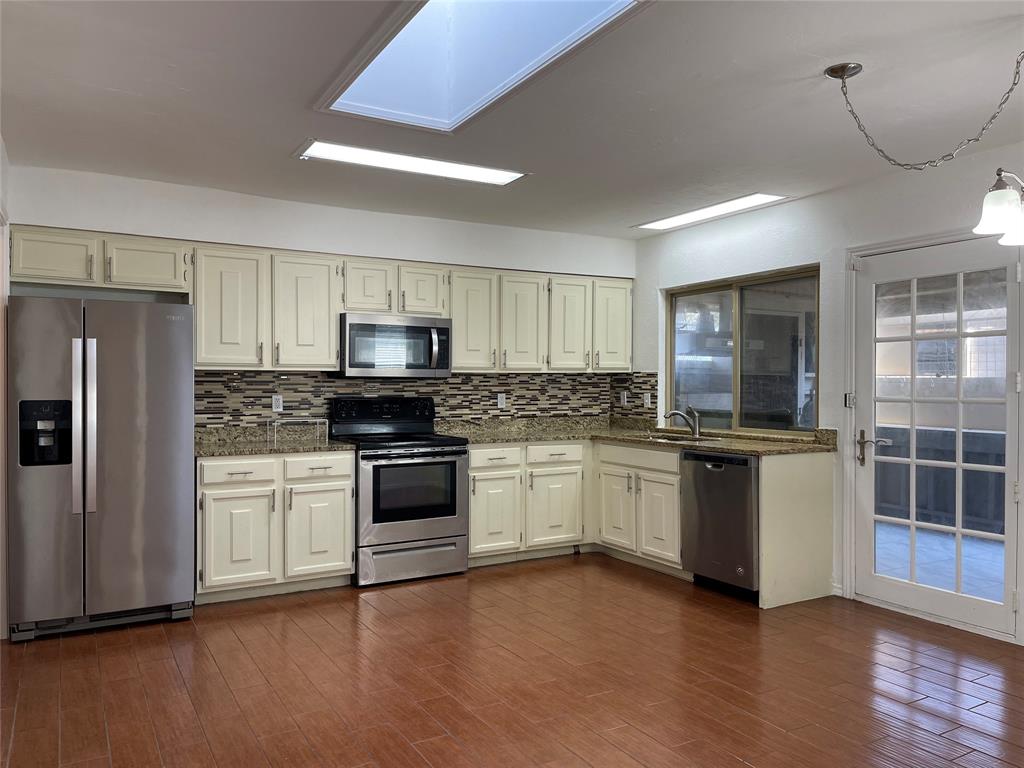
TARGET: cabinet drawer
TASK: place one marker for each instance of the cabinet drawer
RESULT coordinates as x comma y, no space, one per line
495,457
550,454
313,467
658,460
236,471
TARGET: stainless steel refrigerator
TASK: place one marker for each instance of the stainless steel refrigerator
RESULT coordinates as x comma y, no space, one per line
100,506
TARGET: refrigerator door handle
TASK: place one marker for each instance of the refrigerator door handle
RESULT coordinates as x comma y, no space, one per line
76,426
90,425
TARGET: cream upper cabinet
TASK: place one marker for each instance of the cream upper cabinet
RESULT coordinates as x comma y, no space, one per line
613,325
657,500
495,512
423,290
142,262
618,509
232,297
238,528
55,256
474,320
570,323
370,286
318,529
524,322
305,316
554,506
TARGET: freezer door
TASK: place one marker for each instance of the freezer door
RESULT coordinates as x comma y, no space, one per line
139,492
44,495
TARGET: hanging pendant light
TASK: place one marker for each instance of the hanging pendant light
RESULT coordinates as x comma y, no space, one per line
1000,210
1014,235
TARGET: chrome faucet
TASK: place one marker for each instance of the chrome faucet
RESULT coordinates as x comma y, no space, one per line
691,417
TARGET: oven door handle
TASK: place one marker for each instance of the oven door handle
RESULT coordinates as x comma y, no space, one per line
447,458
435,347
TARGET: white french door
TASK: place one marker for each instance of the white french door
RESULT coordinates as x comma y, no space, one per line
938,347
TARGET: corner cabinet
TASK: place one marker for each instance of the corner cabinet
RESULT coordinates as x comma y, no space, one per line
273,520
232,300
307,299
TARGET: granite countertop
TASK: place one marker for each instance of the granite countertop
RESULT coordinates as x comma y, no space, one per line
260,441
633,432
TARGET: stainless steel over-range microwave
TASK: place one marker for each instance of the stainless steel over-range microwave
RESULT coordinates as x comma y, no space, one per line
390,345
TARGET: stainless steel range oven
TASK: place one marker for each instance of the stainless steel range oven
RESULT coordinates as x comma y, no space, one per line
412,513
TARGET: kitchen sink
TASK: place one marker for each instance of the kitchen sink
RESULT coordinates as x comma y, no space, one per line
683,438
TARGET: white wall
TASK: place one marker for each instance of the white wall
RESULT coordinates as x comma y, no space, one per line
814,230
61,198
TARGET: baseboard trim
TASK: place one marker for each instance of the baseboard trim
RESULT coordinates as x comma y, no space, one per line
269,590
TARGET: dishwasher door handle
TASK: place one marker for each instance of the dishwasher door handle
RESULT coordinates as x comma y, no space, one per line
714,467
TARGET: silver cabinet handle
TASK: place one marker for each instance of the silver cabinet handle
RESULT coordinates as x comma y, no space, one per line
239,472
110,269
291,491
639,486
90,425
497,458
88,267
260,352
629,483
389,299
472,488
403,301
504,358
494,358
562,453
530,475
277,353
597,359
324,467
76,426
588,359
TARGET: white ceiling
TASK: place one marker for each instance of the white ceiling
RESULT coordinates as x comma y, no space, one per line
682,105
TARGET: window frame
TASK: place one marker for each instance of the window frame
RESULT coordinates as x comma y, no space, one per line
735,286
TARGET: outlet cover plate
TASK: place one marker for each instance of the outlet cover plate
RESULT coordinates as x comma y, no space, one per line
501,400
277,403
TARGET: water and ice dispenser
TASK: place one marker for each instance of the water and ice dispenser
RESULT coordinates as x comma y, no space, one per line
44,432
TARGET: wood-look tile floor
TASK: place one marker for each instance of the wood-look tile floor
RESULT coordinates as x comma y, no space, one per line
561,662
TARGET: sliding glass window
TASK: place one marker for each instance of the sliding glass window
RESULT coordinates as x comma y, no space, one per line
752,342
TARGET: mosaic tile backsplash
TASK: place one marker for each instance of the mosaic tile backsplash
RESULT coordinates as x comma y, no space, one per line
243,397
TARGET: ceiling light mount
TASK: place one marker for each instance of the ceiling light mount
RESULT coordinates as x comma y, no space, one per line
844,71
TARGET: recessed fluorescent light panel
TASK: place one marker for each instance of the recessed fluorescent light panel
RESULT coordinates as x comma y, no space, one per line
713,211
455,57
340,153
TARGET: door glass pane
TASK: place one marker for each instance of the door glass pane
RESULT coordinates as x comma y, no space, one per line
388,346
892,309
404,492
777,370
985,366
892,422
984,501
936,431
985,300
936,305
936,495
892,490
703,348
983,568
892,550
892,369
936,368
984,433
935,558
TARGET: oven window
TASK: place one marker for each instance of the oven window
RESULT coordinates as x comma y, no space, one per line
403,492
389,346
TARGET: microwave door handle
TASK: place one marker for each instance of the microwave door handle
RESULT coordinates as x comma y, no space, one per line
435,347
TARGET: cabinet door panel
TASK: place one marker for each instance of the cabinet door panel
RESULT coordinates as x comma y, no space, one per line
613,325
318,529
524,321
238,530
369,286
618,510
231,300
554,506
570,324
60,257
658,511
422,291
474,321
145,263
305,324
495,512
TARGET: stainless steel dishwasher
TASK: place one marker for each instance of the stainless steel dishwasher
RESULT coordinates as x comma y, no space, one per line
719,500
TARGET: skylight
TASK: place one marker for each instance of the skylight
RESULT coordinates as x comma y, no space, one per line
456,57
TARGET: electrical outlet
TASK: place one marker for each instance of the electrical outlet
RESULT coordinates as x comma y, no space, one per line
624,398
277,403
647,399
501,400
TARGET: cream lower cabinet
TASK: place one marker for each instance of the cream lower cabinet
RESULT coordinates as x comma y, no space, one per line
305,311
496,511
639,501
554,506
270,520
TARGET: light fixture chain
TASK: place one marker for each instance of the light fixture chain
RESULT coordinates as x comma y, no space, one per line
949,155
